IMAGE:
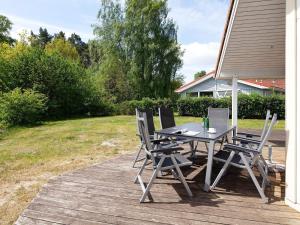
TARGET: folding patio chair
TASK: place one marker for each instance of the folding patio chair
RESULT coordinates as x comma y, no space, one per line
163,158
151,130
246,158
138,113
244,137
167,120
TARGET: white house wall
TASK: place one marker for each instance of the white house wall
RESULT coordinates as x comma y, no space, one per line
292,104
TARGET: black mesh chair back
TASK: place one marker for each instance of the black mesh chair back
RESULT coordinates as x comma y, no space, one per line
150,120
166,117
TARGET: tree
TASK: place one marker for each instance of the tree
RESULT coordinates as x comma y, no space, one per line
82,49
60,35
62,47
5,28
108,52
41,39
144,41
151,37
199,74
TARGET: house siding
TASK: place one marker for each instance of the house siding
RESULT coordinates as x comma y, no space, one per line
221,88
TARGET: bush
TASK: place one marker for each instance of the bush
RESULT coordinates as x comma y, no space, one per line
97,105
22,107
252,106
60,79
128,107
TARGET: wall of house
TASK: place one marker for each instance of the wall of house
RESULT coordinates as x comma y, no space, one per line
221,88
292,124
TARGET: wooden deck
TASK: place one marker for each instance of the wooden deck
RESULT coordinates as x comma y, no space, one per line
106,194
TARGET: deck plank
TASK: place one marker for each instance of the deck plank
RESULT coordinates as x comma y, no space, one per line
106,194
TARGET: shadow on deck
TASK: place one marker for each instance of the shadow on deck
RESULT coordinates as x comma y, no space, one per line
106,194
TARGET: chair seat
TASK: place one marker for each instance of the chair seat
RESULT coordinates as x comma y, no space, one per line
222,156
168,164
183,140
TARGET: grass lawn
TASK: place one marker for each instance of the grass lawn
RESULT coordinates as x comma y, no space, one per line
30,156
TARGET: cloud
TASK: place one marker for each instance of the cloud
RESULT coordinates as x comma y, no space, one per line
20,24
197,57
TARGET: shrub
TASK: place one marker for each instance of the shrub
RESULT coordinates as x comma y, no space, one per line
60,79
97,105
128,107
252,106
22,107
199,106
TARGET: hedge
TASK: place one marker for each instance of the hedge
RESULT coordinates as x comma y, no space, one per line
128,107
252,106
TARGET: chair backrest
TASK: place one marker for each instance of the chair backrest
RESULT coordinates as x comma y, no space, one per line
143,128
218,117
166,117
150,121
268,116
137,116
268,133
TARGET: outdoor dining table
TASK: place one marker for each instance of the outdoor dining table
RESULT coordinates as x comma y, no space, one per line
197,132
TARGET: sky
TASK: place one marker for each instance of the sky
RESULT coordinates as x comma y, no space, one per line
200,24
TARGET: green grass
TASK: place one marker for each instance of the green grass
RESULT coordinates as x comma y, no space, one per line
30,156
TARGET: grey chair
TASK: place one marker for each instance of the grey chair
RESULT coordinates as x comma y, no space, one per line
246,158
163,158
245,137
219,117
151,130
167,120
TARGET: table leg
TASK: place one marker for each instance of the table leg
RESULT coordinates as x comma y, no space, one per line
234,134
209,165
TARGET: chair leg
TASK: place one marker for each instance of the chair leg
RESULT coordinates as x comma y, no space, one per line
137,155
141,170
223,170
181,176
154,175
259,189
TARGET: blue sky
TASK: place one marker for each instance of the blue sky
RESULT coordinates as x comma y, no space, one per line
200,23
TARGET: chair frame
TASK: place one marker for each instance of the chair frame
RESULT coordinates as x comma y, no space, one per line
153,150
250,158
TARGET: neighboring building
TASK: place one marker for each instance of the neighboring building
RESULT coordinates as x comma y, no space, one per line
209,86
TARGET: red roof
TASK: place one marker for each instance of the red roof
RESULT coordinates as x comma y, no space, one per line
269,83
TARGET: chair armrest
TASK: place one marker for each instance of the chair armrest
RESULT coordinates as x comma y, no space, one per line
248,134
249,140
239,148
167,150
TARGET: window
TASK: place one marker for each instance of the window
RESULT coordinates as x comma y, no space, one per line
206,94
192,94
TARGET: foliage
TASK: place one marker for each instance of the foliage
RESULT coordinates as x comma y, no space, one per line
82,49
128,107
60,46
51,74
41,39
252,106
199,74
136,49
5,28
60,35
151,37
22,107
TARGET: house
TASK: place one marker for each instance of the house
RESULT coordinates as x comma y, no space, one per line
209,86
261,41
